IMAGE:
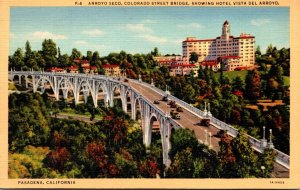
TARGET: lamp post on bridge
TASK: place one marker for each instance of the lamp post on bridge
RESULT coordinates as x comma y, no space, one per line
140,79
152,83
205,110
270,144
210,145
205,142
208,111
167,90
264,141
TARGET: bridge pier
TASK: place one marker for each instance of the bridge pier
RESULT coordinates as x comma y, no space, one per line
26,82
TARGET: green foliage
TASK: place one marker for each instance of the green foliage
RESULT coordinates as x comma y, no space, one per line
128,168
28,124
181,139
49,52
27,163
265,163
253,85
17,60
183,164
75,54
193,57
245,156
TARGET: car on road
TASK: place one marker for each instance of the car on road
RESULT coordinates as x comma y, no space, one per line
156,102
179,109
221,133
165,98
174,114
205,122
173,104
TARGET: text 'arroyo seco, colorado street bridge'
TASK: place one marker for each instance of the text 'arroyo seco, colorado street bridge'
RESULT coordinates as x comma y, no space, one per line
140,96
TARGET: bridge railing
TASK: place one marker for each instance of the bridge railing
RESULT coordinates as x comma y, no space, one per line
283,159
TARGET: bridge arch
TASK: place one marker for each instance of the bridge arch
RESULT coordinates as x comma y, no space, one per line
65,86
41,82
84,88
115,93
101,90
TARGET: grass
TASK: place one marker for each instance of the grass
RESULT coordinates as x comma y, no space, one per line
286,81
232,74
11,86
71,112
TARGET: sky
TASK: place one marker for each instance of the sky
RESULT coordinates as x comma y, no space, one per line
140,29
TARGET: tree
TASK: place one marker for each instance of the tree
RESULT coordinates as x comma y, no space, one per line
200,73
221,79
96,60
57,159
276,72
96,152
265,163
17,60
31,61
226,157
40,60
49,52
190,93
127,166
257,52
155,52
238,84
245,157
75,54
149,168
193,57
181,139
89,56
141,61
252,85
182,165
28,124
27,51
272,52
28,163
64,60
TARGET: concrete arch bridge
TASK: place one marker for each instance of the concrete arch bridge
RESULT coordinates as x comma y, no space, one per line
136,95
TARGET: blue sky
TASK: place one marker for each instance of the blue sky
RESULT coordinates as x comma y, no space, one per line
140,29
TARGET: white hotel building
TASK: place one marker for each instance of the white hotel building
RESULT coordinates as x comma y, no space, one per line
236,52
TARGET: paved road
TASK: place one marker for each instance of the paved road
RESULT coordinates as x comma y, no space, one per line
75,117
190,121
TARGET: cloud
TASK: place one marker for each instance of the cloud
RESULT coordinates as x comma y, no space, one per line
259,22
149,21
97,46
12,35
190,25
48,35
93,32
83,43
80,42
152,38
138,28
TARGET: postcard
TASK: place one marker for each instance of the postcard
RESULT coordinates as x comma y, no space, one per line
149,94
